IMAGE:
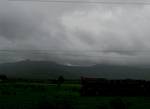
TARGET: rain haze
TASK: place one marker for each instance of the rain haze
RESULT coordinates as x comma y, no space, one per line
75,33
74,54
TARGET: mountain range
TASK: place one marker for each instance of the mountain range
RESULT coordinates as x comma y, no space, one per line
50,70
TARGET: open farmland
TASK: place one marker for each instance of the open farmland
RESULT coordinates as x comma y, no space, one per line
49,96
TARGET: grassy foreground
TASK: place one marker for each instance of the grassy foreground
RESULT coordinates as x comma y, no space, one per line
49,96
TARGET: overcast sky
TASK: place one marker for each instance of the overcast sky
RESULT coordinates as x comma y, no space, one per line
75,33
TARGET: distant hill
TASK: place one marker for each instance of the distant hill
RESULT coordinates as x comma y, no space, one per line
49,70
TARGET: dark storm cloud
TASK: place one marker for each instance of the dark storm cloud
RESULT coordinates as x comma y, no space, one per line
75,34
15,28
12,23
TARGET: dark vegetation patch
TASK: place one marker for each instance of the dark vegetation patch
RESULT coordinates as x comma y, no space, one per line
49,96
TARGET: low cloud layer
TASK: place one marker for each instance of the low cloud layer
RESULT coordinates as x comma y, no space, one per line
116,34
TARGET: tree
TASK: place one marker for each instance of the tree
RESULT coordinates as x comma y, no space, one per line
60,80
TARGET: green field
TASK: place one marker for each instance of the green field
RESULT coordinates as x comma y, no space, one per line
49,96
